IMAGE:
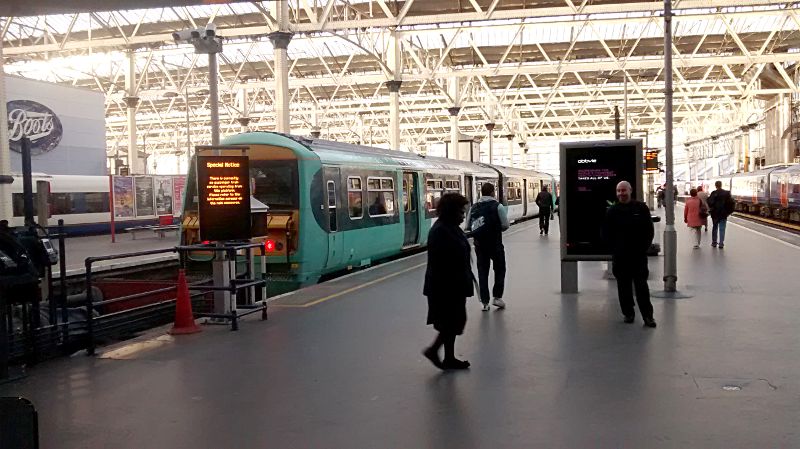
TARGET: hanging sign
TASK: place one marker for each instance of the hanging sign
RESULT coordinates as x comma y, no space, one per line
35,121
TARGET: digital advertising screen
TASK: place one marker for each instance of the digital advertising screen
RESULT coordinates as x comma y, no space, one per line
223,186
590,172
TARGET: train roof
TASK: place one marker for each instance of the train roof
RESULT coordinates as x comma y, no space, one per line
790,169
331,151
762,172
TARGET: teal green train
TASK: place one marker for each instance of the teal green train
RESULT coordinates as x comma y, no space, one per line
334,206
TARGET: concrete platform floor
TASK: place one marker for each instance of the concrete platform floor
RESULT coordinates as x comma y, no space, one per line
79,248
554,371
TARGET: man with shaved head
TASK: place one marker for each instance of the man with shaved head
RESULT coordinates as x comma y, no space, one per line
628,229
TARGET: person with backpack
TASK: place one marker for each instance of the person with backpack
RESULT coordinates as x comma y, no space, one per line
545,202
720,207
487,221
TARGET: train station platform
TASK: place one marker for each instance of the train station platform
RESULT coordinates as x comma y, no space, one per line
338,365
79,248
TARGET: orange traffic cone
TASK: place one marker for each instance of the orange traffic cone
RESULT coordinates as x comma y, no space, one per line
184,320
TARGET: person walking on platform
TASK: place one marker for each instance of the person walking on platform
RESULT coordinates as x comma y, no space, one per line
720,207
703,199
545,202
694,215
628,229
448,280
487,221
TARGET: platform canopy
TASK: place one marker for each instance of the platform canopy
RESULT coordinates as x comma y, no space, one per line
550,69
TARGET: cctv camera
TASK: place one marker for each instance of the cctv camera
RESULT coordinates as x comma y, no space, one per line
211,29
185,35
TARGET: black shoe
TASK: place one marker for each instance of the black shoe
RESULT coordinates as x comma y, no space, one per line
629,319
455,364
433,356
541,231
649,322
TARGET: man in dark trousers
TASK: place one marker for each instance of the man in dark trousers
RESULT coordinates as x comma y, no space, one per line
720,206
545,202
628,229
487,221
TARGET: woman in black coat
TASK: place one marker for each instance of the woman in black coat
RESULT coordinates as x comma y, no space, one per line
448,280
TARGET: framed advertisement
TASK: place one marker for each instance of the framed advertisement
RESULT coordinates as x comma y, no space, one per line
178,188
590,172
163,194
123,197
144,196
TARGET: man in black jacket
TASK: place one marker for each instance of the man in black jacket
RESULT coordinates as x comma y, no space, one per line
629,231
720,206
545,202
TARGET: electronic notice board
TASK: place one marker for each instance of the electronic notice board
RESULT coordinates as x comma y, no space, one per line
223,186
651,161
590,172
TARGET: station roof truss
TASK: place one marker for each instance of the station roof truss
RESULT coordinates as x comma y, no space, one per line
544,69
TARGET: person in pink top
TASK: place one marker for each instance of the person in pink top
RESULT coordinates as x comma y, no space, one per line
692,215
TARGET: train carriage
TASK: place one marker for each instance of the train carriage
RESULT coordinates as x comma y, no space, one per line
336,206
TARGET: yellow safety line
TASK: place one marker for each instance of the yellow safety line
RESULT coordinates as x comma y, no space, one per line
366,284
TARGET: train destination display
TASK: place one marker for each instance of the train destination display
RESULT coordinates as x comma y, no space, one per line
224,192
651,161
590,172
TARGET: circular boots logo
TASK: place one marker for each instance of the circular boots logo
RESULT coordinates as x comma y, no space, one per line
36,122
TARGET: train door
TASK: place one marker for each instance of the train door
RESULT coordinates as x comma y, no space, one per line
468,189
332,177
525,198
410,208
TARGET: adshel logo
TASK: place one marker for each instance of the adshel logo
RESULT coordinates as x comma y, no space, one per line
36,121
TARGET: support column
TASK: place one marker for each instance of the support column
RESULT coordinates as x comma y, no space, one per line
490,129
244,108
280,40
132,101
394,113
5,155
510,138
670,234
395,61
454,152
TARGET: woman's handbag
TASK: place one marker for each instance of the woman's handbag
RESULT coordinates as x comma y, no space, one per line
703,211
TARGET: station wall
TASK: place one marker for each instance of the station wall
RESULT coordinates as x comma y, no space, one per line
81,148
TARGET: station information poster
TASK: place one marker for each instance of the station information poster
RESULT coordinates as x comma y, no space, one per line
223,185
590,172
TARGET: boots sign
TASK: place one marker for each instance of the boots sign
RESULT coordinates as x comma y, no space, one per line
36,121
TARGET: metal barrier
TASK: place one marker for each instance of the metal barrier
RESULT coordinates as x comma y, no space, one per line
244,285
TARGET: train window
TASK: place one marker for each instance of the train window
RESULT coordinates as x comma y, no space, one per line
67,203
511,193
433,191
355,198
275,183
331,194
380,195
453,185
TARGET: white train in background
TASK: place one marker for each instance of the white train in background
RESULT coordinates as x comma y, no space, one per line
83,202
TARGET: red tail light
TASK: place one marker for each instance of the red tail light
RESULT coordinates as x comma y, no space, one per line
270,246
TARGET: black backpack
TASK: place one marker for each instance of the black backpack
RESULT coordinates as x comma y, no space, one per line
484,222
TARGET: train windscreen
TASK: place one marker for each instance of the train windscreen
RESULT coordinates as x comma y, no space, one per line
275,183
